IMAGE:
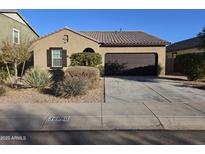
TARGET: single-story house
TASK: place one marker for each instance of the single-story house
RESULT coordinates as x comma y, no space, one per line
192,45
138,50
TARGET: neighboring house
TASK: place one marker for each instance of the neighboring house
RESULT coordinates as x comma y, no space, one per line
14,28
141,52
192,45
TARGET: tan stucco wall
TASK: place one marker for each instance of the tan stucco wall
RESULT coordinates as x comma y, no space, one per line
14,16
78,43
159,50
7,25
170,60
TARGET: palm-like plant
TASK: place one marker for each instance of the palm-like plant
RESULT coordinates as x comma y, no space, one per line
37,78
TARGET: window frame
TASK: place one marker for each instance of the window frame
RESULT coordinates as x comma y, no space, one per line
16,30
52,57
174,55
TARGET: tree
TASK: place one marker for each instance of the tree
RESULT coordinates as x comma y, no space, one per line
202,33
15,54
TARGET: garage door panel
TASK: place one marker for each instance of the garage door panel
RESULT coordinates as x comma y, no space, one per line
130,64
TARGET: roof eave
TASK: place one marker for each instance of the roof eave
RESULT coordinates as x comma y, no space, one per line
133,45
27,24
79,33
184,48
15,11
66,28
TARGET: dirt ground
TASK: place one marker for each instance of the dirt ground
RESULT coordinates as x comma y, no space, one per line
30,95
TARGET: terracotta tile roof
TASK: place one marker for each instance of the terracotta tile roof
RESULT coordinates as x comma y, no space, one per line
187,44
115,39
126,38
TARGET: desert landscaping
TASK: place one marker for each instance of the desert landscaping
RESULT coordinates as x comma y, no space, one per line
31,95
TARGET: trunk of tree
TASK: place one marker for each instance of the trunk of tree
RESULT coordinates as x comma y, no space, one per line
8,71
22,71
16,74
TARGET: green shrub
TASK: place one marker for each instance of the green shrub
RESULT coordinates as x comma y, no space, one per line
101,70
192,65
70,87
2,90
114,68
37,78
86,59
90,74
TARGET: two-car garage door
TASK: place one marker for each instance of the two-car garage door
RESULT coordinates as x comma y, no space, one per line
143,64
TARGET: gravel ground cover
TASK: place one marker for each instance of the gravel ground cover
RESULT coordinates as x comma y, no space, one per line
29,95
194,84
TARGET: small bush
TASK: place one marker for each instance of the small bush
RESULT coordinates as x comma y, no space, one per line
114,68
101,70
192,65
37,78
89,74
70,87
86,59
2,90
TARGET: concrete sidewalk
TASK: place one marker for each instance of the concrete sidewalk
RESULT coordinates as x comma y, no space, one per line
103,116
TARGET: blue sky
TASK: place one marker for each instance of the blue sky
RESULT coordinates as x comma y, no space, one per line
172,25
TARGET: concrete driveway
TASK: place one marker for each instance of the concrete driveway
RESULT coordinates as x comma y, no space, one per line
153,103
149,89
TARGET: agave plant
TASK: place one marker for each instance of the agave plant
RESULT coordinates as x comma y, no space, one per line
37,78
70,87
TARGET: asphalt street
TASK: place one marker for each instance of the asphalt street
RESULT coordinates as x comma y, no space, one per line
155,137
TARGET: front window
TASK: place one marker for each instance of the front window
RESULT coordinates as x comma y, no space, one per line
174,55
16,36
56,57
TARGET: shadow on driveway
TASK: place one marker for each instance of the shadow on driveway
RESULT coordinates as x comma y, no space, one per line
147,78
